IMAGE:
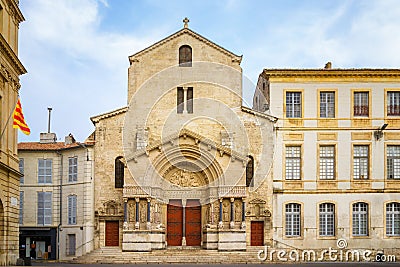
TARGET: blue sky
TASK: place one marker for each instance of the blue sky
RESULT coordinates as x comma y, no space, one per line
76,51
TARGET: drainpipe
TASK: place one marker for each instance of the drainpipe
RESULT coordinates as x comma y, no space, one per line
60,207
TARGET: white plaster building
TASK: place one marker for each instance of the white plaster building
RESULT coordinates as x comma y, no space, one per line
56,198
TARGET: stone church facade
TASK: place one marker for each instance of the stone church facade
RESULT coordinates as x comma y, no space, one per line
184,164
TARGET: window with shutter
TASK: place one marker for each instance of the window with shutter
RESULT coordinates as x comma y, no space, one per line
73,169
72,209
45,167
44,210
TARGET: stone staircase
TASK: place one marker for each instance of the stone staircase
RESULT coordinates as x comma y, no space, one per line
108,255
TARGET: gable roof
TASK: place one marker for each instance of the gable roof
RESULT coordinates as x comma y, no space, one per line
115,112
259,114
188,31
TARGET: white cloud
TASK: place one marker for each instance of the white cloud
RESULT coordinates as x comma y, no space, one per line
73,65
76,31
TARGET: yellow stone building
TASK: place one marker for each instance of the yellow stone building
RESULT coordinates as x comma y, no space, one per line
10,70
184,164
336,169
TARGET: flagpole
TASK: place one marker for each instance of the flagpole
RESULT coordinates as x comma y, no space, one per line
8,120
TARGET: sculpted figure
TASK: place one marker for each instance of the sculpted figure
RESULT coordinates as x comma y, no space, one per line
238,212
225,211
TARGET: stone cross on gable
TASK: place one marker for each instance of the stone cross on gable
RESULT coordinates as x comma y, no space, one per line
186,23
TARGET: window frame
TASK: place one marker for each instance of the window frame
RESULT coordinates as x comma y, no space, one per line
393,212
360,213
293,232
189,100
387,164
300,165
45,168
119,172
73,175
324,234
183,58
387,102
292,105
180,100
72,209
354,157
49,208
353,103
320,146
327,91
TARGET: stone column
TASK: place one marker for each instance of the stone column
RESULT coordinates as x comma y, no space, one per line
185,99
148,225
232,223
211,213
243,226
184,220
220,223
137,213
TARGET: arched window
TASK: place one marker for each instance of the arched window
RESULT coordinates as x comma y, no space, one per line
327,219
250,171
185,56
360,219
292,219
393,219
119,172
72,199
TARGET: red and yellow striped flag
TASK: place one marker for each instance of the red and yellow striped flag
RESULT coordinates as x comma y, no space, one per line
19,120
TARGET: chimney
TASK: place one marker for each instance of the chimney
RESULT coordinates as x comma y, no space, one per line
48,138
69,139
328,65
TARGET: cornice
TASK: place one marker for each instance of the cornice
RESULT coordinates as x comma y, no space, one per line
235,58
11,57
15,11
97,118
259,114
327,75
187,133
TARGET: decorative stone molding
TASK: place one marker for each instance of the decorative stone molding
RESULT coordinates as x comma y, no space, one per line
235,58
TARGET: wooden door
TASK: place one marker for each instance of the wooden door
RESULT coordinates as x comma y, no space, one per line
193,223
174,223
112,233
257,234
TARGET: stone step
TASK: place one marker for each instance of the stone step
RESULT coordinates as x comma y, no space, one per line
115,255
